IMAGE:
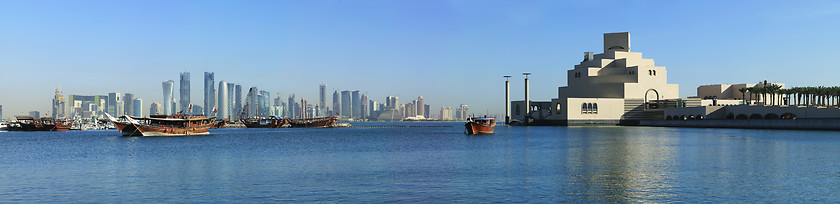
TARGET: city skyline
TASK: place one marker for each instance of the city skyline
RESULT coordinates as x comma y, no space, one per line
88,48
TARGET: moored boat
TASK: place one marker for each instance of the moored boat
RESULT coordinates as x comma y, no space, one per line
165,125
311,122
480,125
29,123
271,122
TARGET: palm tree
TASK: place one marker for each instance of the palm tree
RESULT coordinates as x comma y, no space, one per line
743,91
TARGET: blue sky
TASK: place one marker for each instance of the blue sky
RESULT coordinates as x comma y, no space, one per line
450,52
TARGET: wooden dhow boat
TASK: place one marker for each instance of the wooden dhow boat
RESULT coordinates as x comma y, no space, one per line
480,125
311,122
166,125
29,123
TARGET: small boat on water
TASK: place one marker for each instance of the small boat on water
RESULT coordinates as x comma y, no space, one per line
480,125
29,123
311,122
270,122
166,125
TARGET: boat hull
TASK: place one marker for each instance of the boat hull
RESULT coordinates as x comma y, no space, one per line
128,129
43,127
313,122
479,125
269,123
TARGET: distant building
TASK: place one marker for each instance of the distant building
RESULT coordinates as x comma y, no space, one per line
392,101
462,112
85,106
197,110
357,104
426,113
138,107
445,113
35,114
155,109
290,112
222,104
322,97
265,103
115,102
363,103
168,97
238,99
231,99
210,93
128,99
252,97
1,111
373,108
185,92
336,110
420,106
346,104
58,107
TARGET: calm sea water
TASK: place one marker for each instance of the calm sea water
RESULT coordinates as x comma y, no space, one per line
422,164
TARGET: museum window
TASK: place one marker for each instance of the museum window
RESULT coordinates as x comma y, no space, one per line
558,109
595,108
583,108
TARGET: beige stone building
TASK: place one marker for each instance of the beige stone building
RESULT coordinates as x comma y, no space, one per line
732,91
604,88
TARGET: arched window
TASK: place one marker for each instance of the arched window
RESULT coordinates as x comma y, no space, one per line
650,72
583,108
558,108
590,108
654,72
595,108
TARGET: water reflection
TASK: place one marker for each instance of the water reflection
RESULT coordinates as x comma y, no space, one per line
621,165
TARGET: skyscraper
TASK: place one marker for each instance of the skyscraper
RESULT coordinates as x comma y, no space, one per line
209,93
420,106
346,104
462,113
115,102
155,109
322,100
238,99
168,97
222,104
291,104
363,103
128,100
426,112
336,108
392,101
445,113
58,107
252,98
1,111
231,101
357,105
265,103
138,107
185,92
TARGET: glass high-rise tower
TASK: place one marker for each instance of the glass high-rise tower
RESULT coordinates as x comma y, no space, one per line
185,92
209,93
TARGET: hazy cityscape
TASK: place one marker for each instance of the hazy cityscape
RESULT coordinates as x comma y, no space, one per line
227,101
